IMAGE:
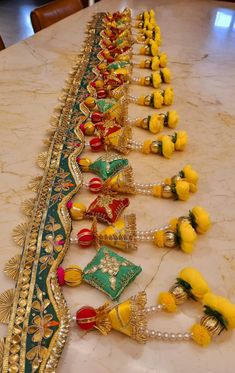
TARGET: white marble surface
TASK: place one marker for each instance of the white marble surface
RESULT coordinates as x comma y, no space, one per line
199,38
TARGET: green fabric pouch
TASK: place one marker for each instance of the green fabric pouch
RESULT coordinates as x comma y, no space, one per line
107,166
110,272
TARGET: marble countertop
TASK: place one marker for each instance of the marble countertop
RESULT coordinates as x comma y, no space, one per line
199,38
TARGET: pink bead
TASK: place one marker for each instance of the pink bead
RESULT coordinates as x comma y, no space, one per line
60,276
82,128
69,204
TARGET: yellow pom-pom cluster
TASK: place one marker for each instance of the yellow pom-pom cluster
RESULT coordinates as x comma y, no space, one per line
159,238
181,140
168,96
167,146
223,306
191,177
201,219
200,335
168,300
156,78
194,278
155,123
187,236
182,189
172,119
146,146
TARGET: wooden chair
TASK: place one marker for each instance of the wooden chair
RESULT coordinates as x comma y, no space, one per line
2,45
52,12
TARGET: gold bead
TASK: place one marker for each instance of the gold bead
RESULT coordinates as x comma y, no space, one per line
213,325
147,63
147,50
147,80
167,191
84,163
89,129
170,239
77,211
145,123
154,147
182,219
175,178
147,100
179,293
140,24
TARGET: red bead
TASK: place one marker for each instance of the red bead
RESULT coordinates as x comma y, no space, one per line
85,237
101,93
93,84
96,117
96,144
82,127
110,59
85,318
111,47
95,185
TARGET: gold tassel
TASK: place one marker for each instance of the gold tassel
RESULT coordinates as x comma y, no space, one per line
11,268
122,181
27,206
121,235
42,160
6,301
138,317
103,323
2,347
19,233
35,183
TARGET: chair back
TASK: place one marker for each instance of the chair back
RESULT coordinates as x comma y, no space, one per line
52,12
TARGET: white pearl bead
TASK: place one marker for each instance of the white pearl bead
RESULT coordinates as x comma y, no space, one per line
159,307
159,335
179,336
153,309
147,309
173,337
147,333
187,336
165,336
152,333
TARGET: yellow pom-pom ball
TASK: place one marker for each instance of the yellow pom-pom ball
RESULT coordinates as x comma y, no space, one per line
193,188
155,123
141,100
142,50
159,238
154,48
168,96
156,77
187,236
123,57
172,119
182,190
168,300
77,210
146,146
84,164
202,219
152,13
166,75
155,63
194,278
167,147
181,140
73,275
157,99
200,335
223,306
190,175
163,59
157,191
173,224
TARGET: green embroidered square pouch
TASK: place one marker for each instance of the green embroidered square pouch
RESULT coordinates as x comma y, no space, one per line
106,167
110,272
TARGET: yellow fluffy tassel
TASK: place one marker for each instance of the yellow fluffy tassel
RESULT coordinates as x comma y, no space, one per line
146,146
157,191
200,335
168,300
159,238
